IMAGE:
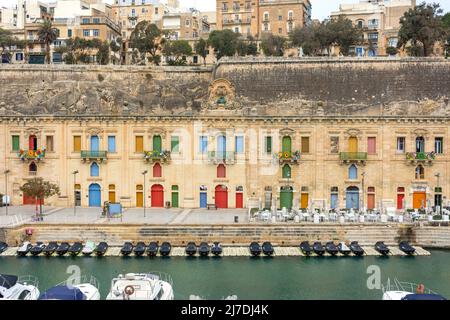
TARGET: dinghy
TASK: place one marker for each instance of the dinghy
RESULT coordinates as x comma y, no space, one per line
267,248
152,249
216,249
127,249
101,249
306,248
204,249
63,248
139,249
255,249
191,249
318,248
165,249
50,248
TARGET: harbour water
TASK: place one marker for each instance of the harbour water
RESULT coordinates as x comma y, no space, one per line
284,278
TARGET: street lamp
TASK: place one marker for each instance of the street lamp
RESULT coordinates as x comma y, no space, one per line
144,173
74,192
436,197
362,184
6,190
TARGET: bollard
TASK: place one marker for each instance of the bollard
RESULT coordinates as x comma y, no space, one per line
296,219
361,218
342,219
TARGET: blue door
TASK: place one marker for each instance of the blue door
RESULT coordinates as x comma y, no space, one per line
359,52
94,143
352,196
334,200
221,147
95,197
203,199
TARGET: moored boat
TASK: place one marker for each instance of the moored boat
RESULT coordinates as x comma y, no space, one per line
191,249
141,286
88,249
86,290
343,249
139,249
396,290
3,247
318,248
101,249
407,248
382,248
24,249
127,249
75,249
165,249
356,248
152,249
306,248
37,249
216,249
331,248
50,248
255,249
18,288
63,248
267,248
204,249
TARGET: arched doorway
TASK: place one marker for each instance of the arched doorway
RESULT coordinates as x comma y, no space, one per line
32,169
352,198
157,196
221,197
286,197
95,196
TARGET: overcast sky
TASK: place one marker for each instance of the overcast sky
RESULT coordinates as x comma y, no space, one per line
320,8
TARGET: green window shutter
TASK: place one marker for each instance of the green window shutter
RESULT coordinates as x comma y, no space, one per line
175,143
157,143
286,145
268,144
286,171
15,143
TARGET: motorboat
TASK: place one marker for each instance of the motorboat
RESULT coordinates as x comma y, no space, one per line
37,249
344,249
50,248
3,247
407,248
382,248
63,248
356,248
216,249
86,290
331,248
101,249
139,249
24,249
141,286
127,249
18,288
306,248
88,249
318,248
255,249
267,248
165,249
397,290
152,249
75,249
191,249
204,249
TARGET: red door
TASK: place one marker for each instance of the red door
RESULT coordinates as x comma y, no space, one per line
31,200
400,198
239,200
370,201
157,196
221,197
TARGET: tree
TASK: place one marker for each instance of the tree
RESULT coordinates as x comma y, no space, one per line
176,50
247,47
116,47
201,48
392,51
342,33
272,45
47,34
224,42
146,38
103,53
421,28
308,39
39,190
446,26
7,41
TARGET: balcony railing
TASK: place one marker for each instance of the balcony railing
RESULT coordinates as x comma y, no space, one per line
94,155
32,154
421,156
353,156
157,156
221,157
288,157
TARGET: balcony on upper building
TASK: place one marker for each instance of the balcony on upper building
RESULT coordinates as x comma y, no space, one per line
347,157
420,157
100,156
288,157
29,155
157,156
227,157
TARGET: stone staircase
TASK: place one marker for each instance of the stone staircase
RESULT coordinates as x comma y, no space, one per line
281,235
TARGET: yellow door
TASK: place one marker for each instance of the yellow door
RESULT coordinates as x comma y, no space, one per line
139,200
353,144
304,201
419,200
112,196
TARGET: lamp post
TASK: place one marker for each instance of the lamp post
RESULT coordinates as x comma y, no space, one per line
438,175
74,193
362,185
144,173
6,190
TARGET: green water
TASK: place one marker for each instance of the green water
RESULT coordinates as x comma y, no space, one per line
295,278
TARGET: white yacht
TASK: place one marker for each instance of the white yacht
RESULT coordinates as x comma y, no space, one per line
141,286
86,290
15,288
397,290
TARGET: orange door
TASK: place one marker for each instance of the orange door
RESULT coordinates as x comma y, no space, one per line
419,200
139,199
239,200
304,201
157,196
370,201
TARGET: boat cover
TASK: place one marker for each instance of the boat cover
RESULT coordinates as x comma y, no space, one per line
62,293
415,296
7,281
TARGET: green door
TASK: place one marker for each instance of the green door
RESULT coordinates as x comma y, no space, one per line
174,199
157,143
286,198
286,145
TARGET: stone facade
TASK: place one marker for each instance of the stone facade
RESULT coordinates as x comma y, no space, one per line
329,121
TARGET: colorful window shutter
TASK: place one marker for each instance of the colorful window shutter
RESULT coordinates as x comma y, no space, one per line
15,143
239,144
77,143
111,144
139,144
175,144
371,145
203,144
268,144
157,143
305,144
157,171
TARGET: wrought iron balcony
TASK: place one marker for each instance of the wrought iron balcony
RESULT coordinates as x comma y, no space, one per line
288,157
227,157
353,157
157,156
100,156
38,154
416,157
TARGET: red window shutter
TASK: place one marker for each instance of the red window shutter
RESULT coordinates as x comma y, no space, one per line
157,171
221,171
372,145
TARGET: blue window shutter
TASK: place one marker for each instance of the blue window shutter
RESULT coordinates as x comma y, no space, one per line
112,144
94,170
203,144
239,144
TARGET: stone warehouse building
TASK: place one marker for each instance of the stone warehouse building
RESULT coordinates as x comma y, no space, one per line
295,132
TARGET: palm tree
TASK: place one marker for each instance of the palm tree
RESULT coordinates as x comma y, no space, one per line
47,34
